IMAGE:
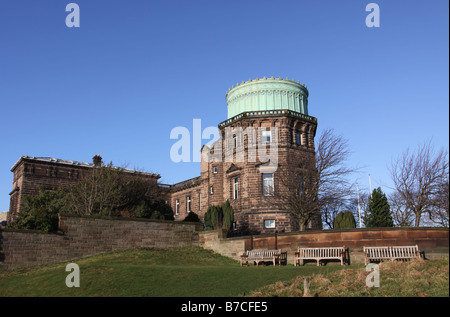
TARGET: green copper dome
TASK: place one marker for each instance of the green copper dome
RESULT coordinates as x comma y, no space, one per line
267,94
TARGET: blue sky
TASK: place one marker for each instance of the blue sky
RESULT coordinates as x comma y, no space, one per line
134,70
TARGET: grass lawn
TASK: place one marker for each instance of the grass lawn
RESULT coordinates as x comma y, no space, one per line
196,272
182,272
415,278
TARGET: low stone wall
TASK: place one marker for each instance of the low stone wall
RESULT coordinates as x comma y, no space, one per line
85,236
432,241
231,247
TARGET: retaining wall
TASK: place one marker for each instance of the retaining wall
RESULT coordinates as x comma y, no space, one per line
84,237
432,241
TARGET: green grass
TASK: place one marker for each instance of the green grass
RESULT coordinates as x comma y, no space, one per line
182,272
196,272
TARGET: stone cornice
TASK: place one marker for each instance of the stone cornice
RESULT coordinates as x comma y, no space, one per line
268,113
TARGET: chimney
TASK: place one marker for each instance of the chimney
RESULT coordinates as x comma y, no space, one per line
97,159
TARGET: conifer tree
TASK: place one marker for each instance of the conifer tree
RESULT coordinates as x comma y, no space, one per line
379,210
344,220
228,215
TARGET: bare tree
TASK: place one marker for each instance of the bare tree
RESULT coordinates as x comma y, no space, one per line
321,183
299,193
402,216
98,193
333,174
417,177
440,204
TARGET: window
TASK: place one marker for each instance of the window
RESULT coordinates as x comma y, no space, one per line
235,141
177,205
215,169
267,180
266,134
298,138
211,190
269,224
188,203
300,185
236,188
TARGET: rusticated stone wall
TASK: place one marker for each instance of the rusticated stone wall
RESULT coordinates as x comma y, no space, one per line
432,241
89,236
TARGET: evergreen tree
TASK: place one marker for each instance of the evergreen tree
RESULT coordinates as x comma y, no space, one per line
213,218
219,217
379,212
228,215
344,220
349,220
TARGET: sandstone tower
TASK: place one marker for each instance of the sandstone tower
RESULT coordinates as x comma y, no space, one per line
268,134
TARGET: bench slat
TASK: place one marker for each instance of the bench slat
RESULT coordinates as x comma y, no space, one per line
391,253
318,254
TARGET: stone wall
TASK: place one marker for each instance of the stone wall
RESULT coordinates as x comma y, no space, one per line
432,241
89,236
84,237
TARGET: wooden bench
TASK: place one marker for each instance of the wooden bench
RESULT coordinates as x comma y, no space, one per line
391,253
257,256
319,254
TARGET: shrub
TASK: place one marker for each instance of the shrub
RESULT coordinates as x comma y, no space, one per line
192,217
213,218
344,220
157,209
219,217
40,212
228,216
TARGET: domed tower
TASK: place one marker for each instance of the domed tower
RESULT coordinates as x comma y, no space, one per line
265,158
267,94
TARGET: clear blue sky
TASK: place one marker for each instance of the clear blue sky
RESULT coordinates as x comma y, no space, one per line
134,70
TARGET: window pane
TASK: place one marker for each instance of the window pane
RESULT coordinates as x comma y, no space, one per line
266,136
269,223
267,184
300,184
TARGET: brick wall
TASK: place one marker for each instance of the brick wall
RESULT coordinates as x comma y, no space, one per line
89,236
432,241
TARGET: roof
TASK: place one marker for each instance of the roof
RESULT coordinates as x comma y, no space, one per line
73,163
184,184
